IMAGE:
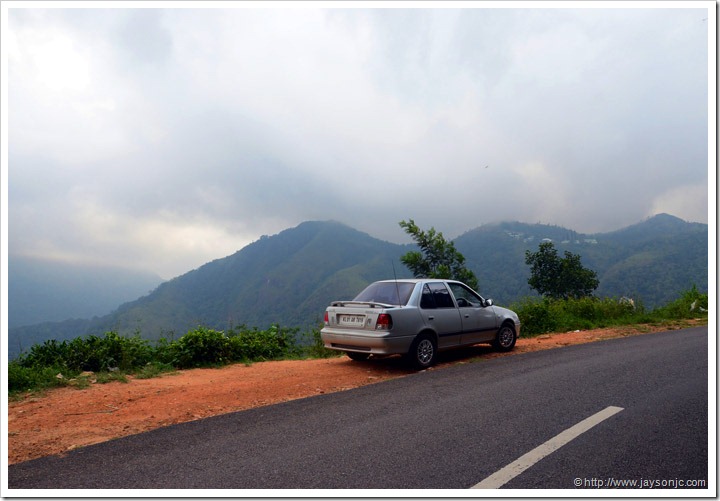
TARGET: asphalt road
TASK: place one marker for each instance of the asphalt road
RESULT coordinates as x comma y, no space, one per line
439,429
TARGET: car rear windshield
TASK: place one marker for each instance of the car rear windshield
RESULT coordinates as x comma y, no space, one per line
387,293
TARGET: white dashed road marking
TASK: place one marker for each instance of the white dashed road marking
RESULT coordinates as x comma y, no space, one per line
503,476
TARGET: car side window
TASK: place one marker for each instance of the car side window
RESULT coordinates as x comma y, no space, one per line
465,297
441,296
427,302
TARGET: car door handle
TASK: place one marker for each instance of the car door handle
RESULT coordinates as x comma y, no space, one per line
467,316
431,318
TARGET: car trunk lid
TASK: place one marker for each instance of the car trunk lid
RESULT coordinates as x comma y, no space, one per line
358,315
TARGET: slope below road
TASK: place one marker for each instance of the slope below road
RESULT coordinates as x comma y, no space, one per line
67,418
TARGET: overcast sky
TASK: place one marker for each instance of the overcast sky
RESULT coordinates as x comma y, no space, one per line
165,138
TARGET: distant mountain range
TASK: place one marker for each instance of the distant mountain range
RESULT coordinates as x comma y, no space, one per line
41,290
289,278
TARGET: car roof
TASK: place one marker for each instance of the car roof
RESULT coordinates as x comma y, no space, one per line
418,280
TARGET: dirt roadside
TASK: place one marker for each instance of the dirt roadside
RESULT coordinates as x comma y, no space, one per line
67,418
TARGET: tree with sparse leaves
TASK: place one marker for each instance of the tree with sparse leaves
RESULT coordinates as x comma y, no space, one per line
559,278
437,257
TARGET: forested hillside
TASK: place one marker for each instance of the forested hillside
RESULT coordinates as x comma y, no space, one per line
651,261
286,278
289,278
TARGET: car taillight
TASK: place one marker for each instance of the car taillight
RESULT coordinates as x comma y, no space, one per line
327,319
384,322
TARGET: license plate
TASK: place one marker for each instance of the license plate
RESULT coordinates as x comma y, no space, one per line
351,320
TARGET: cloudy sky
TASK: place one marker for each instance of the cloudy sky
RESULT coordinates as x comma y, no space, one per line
164,138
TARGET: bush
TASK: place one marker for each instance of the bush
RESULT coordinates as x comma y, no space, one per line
92,353
200,347
691,304
48,354
21,378
206,347
597,312
535,316
270,344
543,315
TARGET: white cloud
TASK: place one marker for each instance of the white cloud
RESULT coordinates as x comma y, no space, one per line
170,137
163,243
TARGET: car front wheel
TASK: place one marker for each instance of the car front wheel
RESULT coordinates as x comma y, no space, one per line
423,352
505,338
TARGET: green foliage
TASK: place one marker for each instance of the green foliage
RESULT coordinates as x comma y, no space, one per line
207,347
21,378
535,316
271,344
51,353
437,257
543,315
559,278
691,304
92,353
112,357
200,347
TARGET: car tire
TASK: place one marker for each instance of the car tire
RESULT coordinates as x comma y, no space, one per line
358,357
505,338
423,352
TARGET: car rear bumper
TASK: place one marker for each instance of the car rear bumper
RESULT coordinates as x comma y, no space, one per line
378,343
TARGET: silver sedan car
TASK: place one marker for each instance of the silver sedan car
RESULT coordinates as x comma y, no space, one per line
416,318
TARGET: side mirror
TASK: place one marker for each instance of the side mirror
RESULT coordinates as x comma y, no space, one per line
488,302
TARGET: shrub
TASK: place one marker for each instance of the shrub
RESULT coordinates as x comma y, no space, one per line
586,308
691,304
535,316
200,347
542,315
48,354
92,353
21,378
96,353
254,344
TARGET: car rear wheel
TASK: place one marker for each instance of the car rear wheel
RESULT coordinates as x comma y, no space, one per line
423,352
505,338
358,357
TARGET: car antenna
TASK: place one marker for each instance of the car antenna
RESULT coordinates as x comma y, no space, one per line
397,288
